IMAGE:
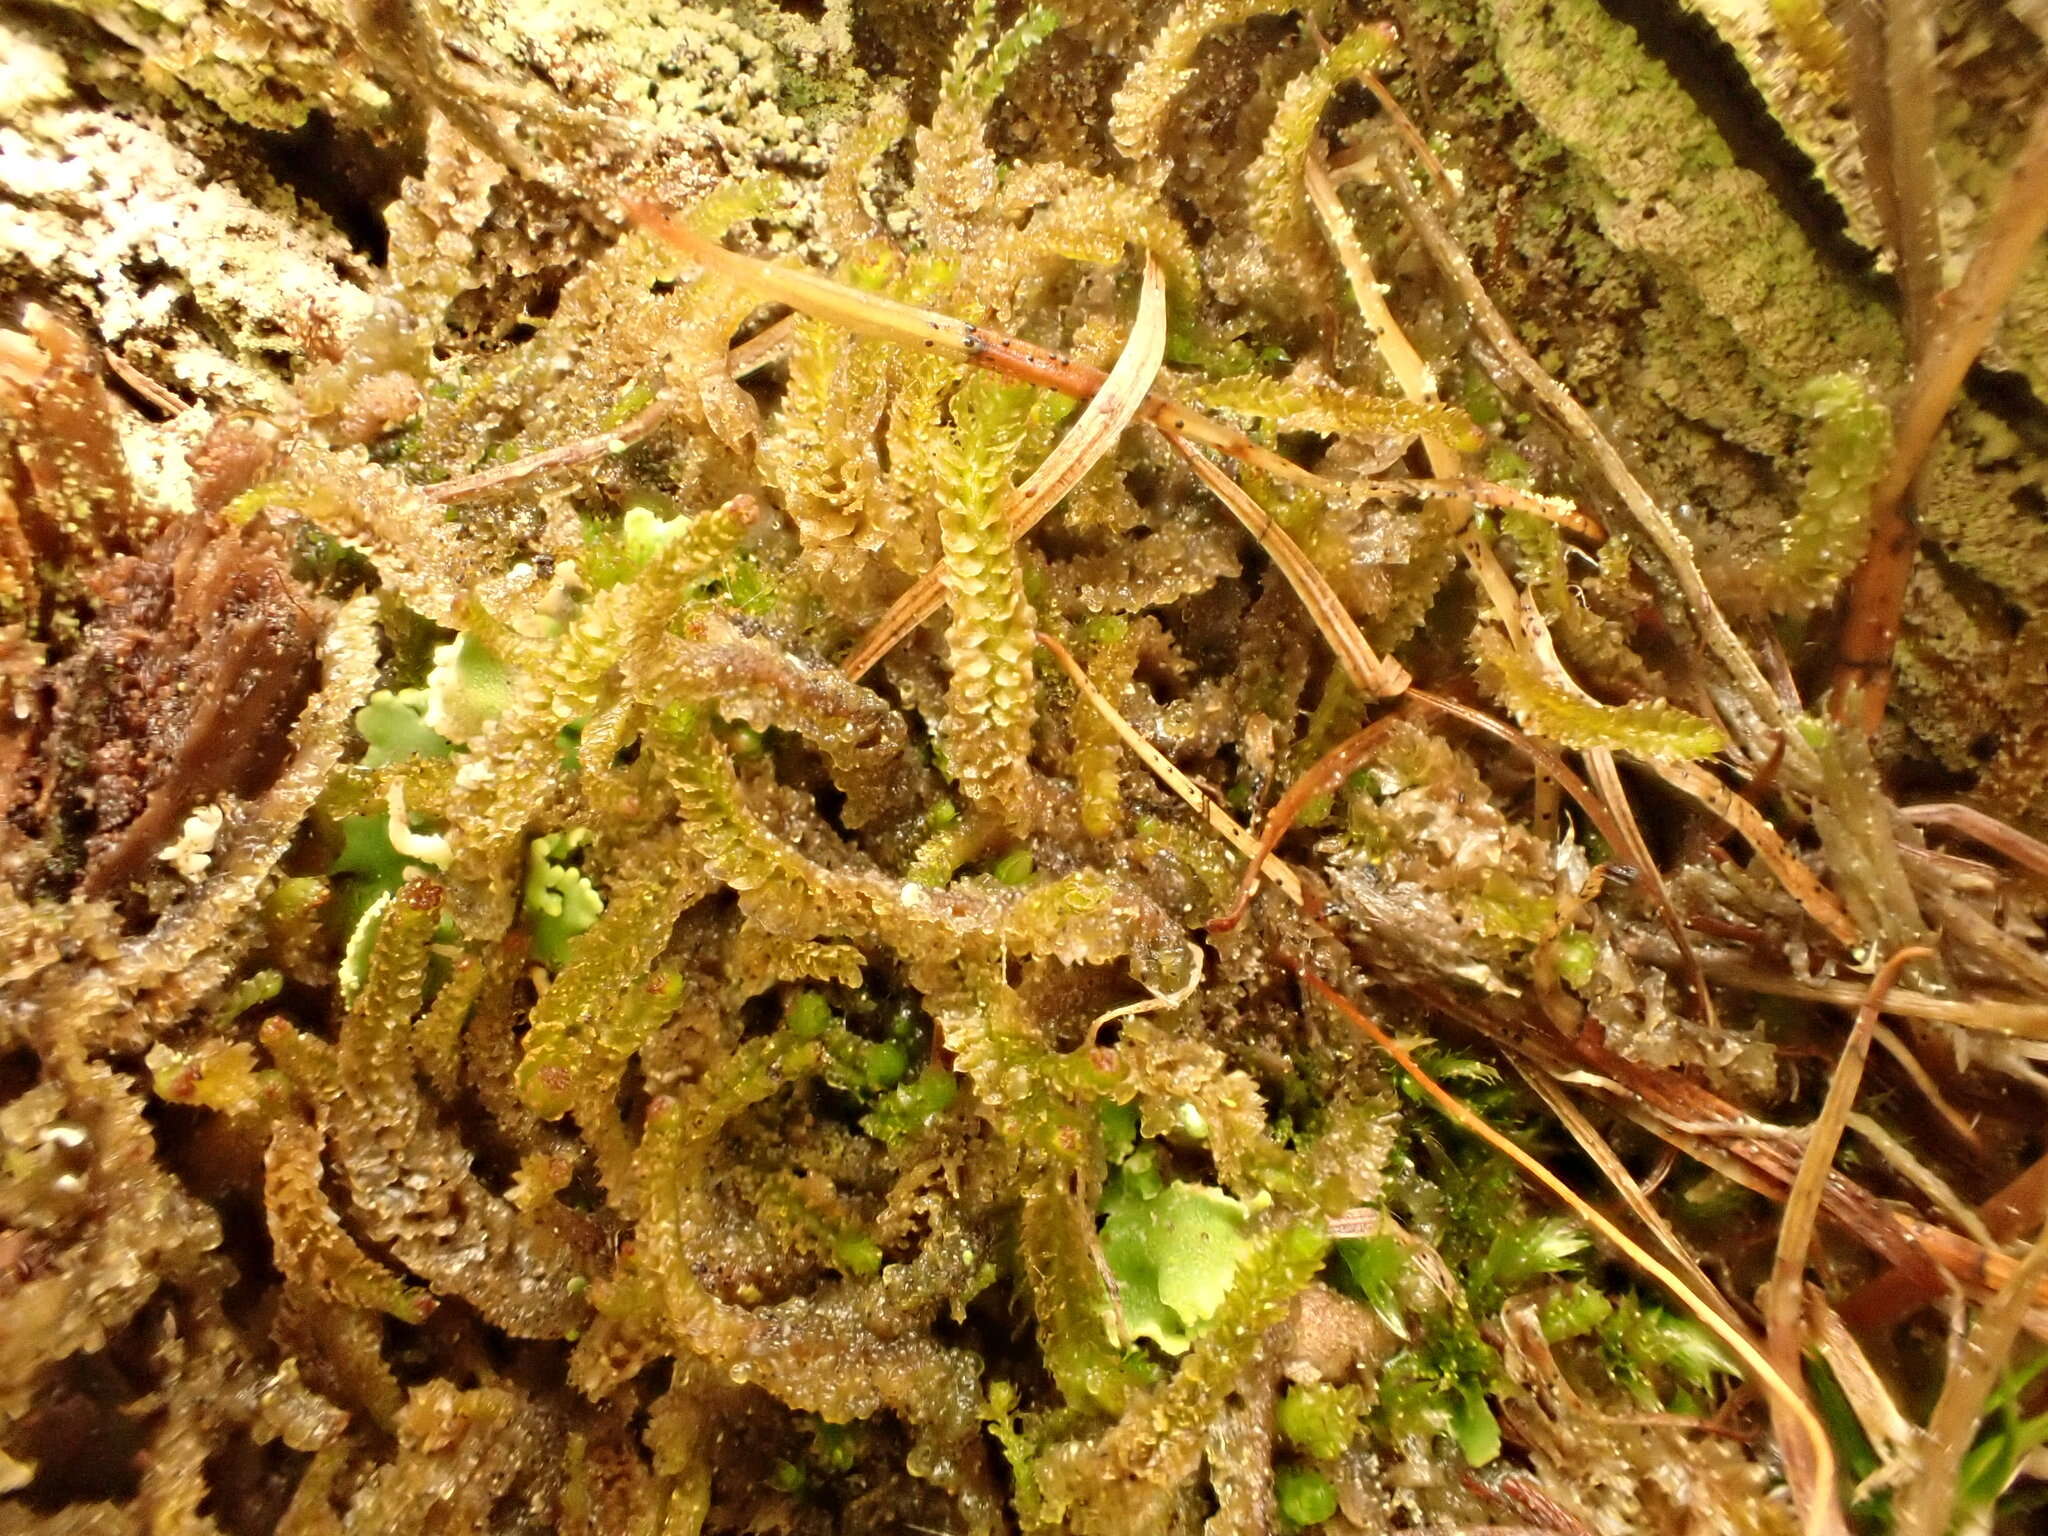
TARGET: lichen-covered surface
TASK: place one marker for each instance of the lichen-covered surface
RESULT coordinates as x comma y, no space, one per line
502,1029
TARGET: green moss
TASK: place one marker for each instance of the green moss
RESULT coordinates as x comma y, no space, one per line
1320,1419
1173,1248
1304,1496
1664,185
559,901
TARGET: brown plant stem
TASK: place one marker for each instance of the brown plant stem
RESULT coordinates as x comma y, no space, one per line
1966,316
1332,766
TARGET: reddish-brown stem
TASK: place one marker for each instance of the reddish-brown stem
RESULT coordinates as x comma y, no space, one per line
1966,316
1332,766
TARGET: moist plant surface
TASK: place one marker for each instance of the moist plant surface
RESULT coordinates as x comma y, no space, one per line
1218,767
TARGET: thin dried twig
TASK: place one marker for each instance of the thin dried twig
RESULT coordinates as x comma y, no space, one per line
1219,820
1782,1294
1981,1271
1821,1516
1410,135
143,384
1917,1074
1907,1166
1411,376
1606,776
1928,1506
1382,677
1899,1292
1969,313
1912,88
1890,1432
585,450
1658,528
765,346
1487,493
873,314
2030,853
1101,423
2026,1021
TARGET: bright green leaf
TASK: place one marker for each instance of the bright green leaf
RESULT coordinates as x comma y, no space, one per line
1319,1418
394,726
559,900
1304,1495
1475,1428
1374,1264
1173,1250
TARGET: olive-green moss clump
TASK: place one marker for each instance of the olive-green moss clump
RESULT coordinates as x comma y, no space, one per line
499,1031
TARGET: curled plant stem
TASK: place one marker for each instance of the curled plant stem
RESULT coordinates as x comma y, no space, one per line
1967,314
1820,1516
1332,766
